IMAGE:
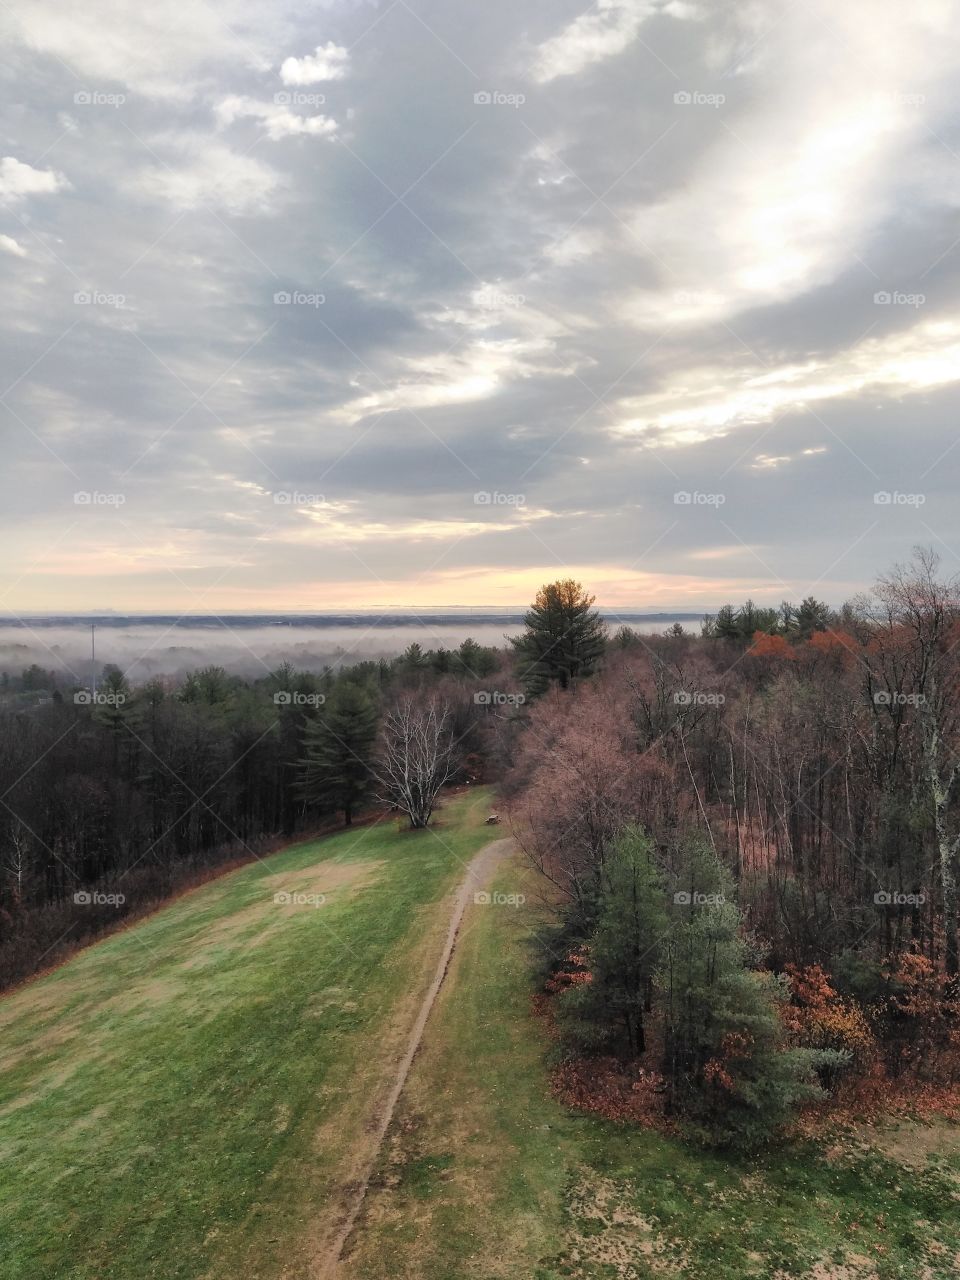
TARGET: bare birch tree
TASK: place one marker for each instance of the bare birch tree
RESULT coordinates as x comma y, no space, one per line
415,758
17,863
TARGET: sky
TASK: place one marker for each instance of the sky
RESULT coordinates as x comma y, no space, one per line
427,302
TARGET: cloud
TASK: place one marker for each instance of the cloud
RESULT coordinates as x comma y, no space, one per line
9,245
160,50
485,368
19,180
771,461
604,30
279,120
327,62
202,171
717,400
330,522
798,175
673,290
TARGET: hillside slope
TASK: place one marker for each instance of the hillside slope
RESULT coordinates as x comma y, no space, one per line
186,1098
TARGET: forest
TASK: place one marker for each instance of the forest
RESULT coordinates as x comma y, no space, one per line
113,799
750,837
754,836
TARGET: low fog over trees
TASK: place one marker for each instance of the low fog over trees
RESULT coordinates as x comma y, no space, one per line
750,837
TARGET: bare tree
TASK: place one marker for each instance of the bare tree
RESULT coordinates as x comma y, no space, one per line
17,863
415,758
923,612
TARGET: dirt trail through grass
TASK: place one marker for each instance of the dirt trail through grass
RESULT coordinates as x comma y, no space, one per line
193,1098
480,870
486,1176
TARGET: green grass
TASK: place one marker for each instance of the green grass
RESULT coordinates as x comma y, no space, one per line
180,1099
531,1190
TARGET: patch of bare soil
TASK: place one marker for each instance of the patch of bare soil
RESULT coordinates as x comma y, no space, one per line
913,1144
609,1235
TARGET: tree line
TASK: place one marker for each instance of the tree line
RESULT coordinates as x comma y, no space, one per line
114,798
754,836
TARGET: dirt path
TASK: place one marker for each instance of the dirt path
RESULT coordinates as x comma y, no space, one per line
479,871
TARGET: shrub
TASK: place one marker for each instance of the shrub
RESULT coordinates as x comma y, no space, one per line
817,1017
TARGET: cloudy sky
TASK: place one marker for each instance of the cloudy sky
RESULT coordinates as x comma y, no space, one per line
426,301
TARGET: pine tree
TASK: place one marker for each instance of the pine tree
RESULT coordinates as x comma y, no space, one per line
475,660
731,1070
338,746
813,615
724,626
413,660
565,637
622,951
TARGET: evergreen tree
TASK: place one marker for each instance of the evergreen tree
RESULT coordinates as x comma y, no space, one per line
564,639
476,660
743,623
114,710
730,1069
752,618
725,625
625,637
813,615
338,746
208,685
622,951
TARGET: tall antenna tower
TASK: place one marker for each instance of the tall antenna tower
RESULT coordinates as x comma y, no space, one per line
93,659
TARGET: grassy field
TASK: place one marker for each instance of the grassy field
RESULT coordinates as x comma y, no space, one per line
186,1098
191,1097
485,1176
